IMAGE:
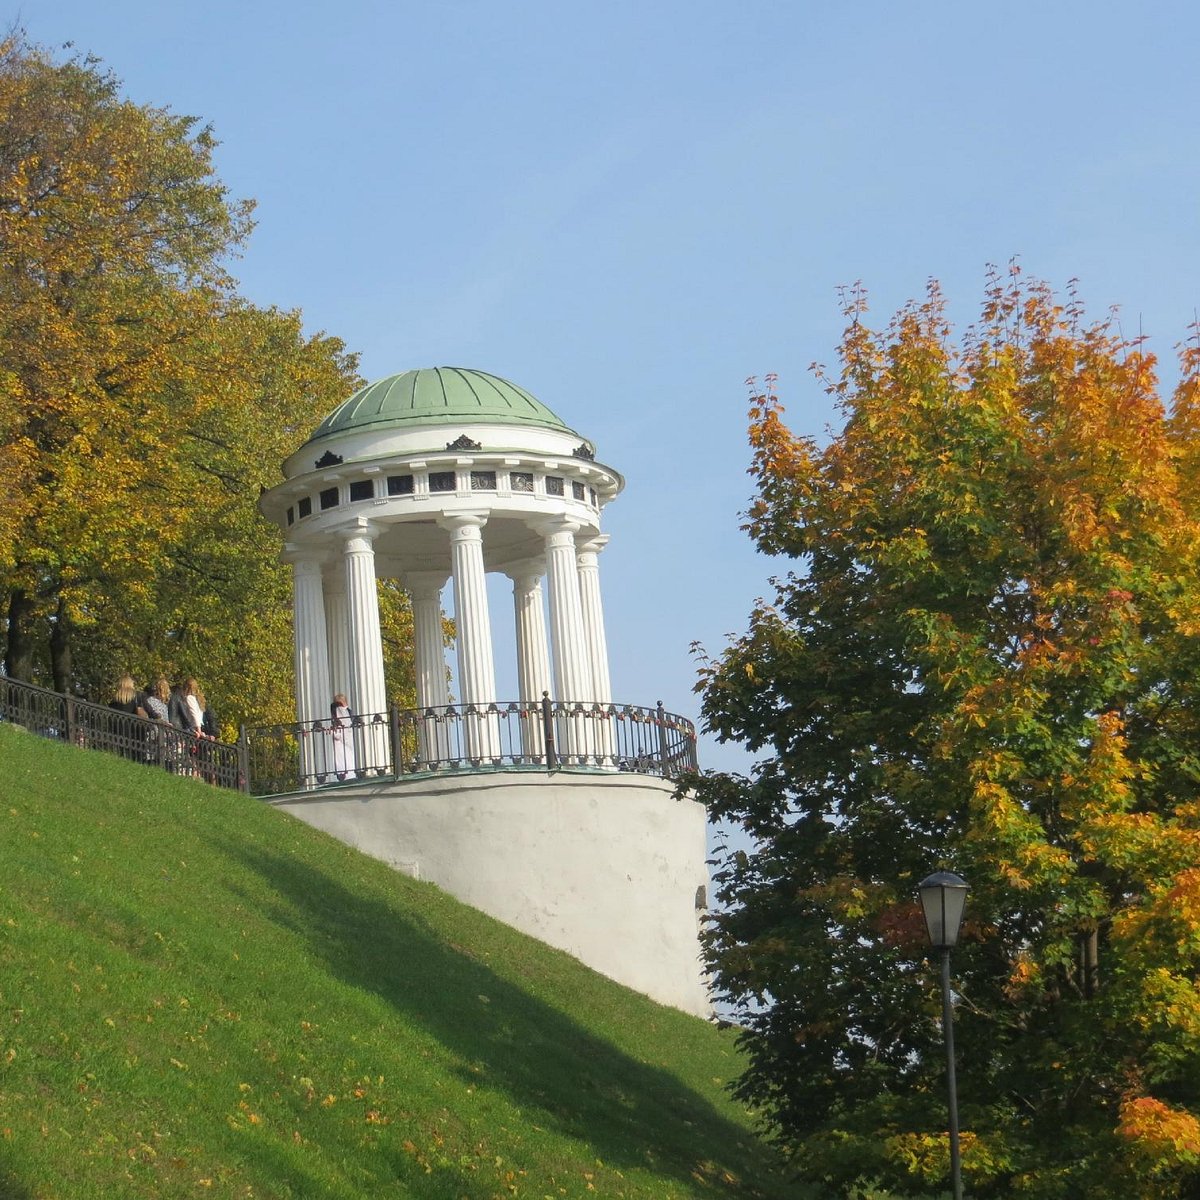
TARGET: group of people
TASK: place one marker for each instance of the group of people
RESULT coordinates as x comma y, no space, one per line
183,708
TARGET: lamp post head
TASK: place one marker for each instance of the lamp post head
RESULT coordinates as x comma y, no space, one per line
943,898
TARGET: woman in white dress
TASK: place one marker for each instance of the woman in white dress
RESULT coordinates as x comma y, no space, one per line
342,728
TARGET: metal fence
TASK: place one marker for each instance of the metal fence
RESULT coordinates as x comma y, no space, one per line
547,735
98,727
270,760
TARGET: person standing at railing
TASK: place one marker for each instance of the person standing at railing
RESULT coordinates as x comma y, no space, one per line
127,699
206,728
158,741
341,727
158,695
126,737
178,711
188,717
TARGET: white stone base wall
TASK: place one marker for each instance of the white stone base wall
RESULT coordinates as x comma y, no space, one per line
608,868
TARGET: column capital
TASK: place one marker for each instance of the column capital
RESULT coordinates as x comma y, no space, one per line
359,529
302,557
459,523
557,530
424,585
528,571
592,545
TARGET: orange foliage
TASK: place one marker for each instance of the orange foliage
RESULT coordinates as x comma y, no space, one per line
1168,1135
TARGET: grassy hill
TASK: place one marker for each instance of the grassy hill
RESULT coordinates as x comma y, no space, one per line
201,996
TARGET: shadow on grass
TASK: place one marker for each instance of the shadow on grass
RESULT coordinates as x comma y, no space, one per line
632,1115
11,1188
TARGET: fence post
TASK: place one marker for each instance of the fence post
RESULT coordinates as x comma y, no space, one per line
663,758
548,732
394,734
71,724
243,745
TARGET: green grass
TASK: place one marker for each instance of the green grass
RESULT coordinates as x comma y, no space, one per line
201,996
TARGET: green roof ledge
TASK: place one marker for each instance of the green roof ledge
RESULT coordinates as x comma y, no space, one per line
437,396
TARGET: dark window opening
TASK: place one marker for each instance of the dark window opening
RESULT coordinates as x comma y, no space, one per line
521,481
483,481
363,489
577,491
291,516
554,485
592,494
329,498
400,485
442,481
305,508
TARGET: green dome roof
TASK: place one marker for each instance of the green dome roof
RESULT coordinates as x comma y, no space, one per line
437,396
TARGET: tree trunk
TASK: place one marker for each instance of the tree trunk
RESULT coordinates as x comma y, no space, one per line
18,654
1091,963
60,649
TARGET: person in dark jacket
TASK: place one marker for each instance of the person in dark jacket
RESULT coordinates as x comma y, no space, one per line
127,699
179,711
182,760
127,737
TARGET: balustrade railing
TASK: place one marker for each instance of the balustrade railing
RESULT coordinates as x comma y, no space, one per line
269,760
98,727
506,735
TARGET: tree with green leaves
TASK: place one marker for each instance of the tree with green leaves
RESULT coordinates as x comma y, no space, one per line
984,656
113,232
143,403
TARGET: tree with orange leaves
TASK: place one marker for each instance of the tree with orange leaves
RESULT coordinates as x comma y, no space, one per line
985,657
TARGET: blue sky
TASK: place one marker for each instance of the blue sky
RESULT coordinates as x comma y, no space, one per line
628,208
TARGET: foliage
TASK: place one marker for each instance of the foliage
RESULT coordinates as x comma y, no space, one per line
985,658
200,996
143,404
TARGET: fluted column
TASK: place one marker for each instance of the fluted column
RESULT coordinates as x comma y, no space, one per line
429,653
593,615
476,668
587,553
337,623
311,657
572,671
368,695
533,653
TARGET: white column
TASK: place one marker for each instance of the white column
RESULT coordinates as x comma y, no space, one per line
593,615
429,652
572,673
368,695
337,622
587,553
476,669
312,652
533,653
312,660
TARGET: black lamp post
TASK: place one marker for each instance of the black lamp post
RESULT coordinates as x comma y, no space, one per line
943,898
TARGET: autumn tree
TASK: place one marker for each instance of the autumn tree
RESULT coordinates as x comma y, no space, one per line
143,404
984,656
212,598
113,229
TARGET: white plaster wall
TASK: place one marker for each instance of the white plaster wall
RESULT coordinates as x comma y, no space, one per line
605,867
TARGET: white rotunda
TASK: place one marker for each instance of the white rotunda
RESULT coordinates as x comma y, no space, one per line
552,810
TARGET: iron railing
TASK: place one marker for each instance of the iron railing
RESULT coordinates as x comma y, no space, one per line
270,760
506,735
98,727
